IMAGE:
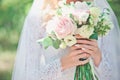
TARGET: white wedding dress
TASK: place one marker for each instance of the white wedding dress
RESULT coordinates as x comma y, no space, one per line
35,63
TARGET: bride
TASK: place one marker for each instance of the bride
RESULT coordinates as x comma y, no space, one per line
35,63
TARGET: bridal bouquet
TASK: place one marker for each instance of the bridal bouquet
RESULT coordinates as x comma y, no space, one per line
80,18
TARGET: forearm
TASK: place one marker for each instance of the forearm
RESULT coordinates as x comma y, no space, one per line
97,60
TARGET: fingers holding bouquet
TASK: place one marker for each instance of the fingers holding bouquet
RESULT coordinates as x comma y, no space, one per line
73,58
88,46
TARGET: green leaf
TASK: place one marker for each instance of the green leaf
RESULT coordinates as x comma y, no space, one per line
56,43
71,16
88,3
94,36
47,42
108,9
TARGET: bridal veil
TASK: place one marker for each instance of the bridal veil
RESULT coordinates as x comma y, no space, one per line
30,53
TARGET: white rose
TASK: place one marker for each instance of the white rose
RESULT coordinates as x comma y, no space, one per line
84,16
85,31
81,16
51,25
67,10
81,5
70,40
95,12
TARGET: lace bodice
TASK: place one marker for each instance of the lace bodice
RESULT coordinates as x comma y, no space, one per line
31,64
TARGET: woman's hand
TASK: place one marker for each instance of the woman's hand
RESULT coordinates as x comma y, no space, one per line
91,47
72,59
84,48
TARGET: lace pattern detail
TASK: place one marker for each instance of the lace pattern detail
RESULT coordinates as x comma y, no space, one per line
52,71
105,67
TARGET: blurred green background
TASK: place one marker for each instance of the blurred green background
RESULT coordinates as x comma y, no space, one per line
12,15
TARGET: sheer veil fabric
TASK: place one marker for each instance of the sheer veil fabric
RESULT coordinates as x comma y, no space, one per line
34,63
110,44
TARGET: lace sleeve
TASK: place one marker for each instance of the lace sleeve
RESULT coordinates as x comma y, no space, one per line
107,69
47,71
27,65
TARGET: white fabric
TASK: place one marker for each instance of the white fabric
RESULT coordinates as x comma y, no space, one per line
35,63
110,47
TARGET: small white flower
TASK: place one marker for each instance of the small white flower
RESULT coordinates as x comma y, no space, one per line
95,12
85,31
93,21
106,20
70,40
63,45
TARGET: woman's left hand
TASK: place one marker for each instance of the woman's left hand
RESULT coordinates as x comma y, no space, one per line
91,47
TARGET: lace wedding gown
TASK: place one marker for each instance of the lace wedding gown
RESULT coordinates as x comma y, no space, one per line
35,63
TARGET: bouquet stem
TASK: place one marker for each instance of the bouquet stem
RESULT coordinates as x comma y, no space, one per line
84,72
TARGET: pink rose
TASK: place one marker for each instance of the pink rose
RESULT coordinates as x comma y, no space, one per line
64,27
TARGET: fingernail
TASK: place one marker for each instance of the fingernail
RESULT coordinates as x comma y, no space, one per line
83,48
77,45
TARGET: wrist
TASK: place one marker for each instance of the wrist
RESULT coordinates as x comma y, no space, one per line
97,59
62,64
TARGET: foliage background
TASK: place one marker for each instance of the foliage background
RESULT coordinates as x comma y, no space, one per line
12,15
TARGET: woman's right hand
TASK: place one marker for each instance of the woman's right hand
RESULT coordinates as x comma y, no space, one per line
73,58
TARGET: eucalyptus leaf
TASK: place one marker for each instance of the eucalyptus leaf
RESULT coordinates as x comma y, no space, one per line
47,42
56,43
